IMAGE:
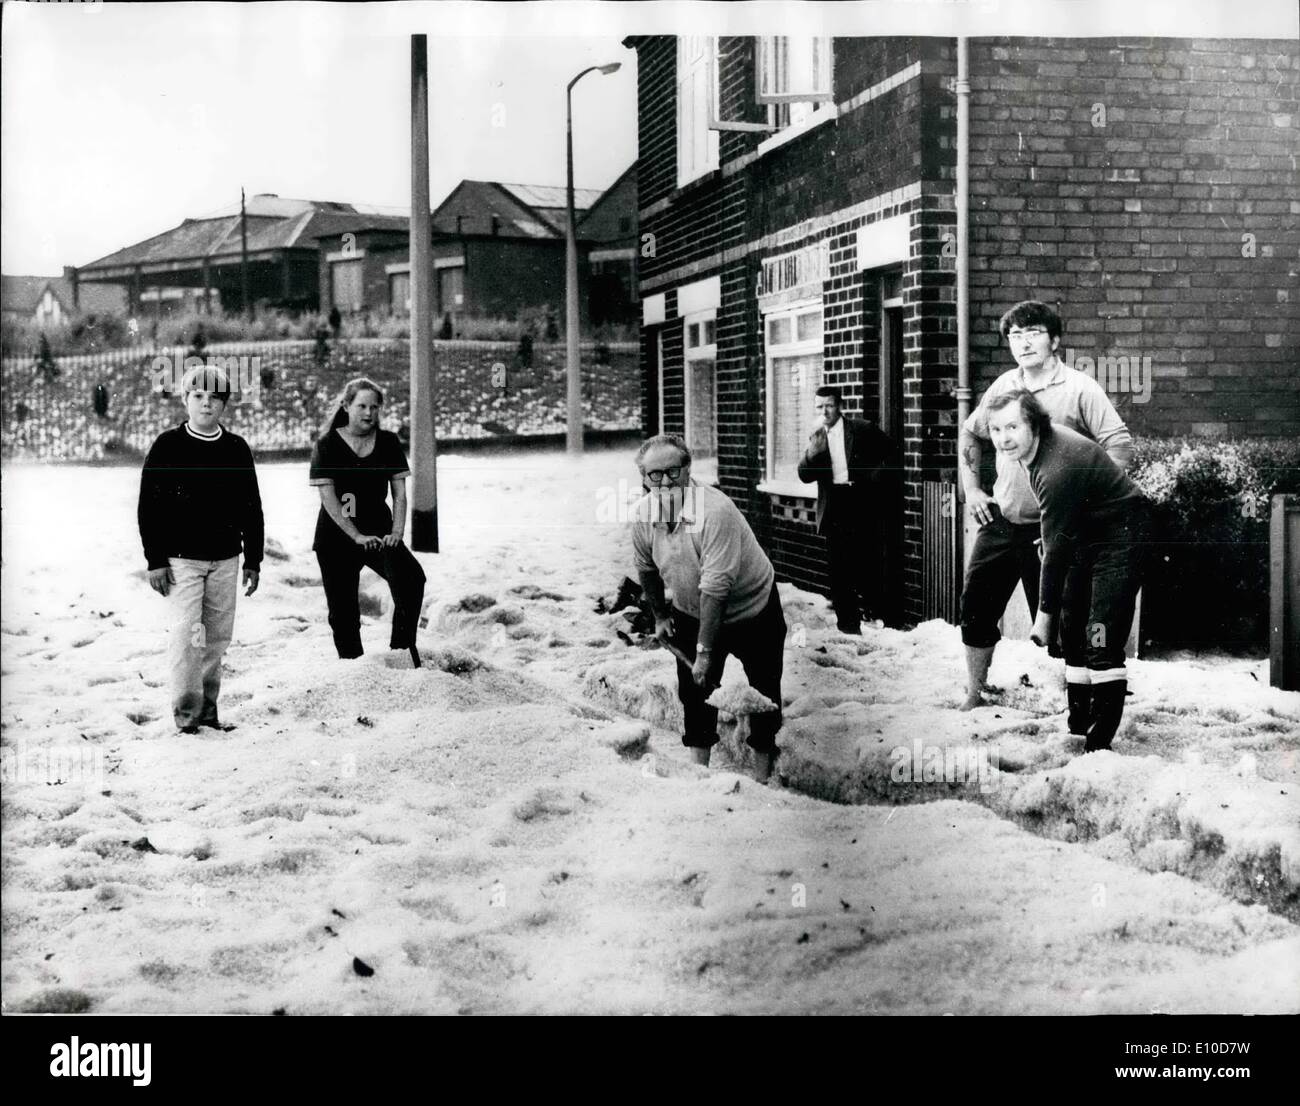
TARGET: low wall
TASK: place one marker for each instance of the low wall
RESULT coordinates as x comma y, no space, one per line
483,390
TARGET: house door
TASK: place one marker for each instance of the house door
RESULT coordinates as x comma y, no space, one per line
890,419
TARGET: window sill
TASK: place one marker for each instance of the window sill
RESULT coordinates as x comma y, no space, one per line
823,114
704,179
796,489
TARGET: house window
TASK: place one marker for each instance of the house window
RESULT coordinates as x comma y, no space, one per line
794,76
346,284
700,386
399,293
451,290
793,345
697,97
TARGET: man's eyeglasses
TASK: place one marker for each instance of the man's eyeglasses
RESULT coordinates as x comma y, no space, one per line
1028,332
656,476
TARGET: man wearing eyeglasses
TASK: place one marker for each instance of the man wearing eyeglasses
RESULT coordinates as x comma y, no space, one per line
1006,547
690,540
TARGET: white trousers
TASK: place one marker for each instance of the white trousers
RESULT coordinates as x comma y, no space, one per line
202,602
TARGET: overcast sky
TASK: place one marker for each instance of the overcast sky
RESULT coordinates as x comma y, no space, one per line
118,121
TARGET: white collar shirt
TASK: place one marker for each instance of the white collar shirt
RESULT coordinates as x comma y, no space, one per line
839,457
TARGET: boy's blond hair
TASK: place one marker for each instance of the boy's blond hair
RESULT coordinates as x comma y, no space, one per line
207,378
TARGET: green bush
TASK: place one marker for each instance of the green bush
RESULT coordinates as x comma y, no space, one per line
1207,581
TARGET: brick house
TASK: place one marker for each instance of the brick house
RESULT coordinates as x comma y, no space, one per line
497,249
798,228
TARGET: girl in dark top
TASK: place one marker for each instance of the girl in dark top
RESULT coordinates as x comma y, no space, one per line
1094,524
354,465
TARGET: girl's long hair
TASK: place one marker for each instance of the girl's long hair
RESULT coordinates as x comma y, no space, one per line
339,413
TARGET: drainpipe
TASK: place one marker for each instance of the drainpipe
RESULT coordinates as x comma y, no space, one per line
963,231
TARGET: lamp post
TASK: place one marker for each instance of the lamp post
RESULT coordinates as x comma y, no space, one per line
571,275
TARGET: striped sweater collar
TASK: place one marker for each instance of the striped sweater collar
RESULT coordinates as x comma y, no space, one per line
204,437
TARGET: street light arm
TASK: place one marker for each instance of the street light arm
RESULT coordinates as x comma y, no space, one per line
612,67
580,76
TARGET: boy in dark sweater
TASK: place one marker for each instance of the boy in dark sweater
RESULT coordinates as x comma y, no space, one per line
1094,524
199,505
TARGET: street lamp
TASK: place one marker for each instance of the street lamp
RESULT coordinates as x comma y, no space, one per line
571,274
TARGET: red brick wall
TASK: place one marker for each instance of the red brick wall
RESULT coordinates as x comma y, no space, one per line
376,250
508,274
1136,227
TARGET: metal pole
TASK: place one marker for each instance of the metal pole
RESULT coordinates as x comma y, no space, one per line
243,256
424,445
571,290
962,202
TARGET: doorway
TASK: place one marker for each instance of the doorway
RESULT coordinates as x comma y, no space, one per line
890,419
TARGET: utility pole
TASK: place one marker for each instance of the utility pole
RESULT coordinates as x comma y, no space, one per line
243,255
571,314
424,443
572,355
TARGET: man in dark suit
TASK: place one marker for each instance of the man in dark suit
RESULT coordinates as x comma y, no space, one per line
851,461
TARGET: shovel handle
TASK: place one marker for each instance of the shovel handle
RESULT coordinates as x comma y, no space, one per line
688,661
711,686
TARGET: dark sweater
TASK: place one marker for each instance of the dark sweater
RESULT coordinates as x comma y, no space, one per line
365,479
199,499
1078,488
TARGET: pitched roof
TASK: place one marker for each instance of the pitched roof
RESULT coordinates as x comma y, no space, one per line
604,220
475,202
279,223
273,224
551,195
23,294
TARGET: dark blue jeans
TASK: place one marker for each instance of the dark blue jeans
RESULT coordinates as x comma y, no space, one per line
759,644
1101,587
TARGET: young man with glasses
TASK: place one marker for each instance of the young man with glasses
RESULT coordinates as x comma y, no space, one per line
1006,547
691,540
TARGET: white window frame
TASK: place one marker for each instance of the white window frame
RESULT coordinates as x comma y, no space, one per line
691,354
793,348
697,70
791,109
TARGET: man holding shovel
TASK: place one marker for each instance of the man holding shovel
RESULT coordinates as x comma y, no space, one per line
690,540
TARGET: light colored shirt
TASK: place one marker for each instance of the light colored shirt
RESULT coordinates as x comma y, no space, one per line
839,459
710,551
1070,398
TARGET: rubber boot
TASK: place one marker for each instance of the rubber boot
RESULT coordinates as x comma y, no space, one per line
1107,709
1079,698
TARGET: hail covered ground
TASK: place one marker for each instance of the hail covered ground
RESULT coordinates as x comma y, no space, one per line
515,827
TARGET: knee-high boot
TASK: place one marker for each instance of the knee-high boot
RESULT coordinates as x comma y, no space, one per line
1107,709
1079,699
